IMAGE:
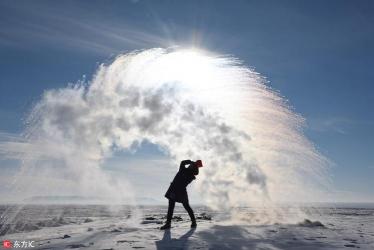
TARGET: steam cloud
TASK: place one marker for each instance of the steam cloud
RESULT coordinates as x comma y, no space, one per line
193,105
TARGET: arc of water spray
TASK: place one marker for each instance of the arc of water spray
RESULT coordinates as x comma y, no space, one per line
192,104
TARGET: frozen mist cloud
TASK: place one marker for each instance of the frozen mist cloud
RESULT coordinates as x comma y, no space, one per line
193,105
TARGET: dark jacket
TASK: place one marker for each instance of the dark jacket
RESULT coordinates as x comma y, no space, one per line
177,190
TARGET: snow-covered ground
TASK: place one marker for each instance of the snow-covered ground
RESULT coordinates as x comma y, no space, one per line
97,227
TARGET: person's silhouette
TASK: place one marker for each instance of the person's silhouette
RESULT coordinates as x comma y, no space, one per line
177,191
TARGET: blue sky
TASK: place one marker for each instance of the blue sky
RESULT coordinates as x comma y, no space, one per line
318,54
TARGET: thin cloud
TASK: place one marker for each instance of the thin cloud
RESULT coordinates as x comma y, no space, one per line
339,125
66,30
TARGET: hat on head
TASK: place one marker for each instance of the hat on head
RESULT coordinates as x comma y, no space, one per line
199,163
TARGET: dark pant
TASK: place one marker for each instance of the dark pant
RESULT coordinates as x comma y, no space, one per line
171,210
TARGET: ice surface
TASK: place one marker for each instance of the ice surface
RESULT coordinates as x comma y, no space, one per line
100,227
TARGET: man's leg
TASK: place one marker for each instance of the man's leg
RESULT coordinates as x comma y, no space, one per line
169,215
170,211
186,206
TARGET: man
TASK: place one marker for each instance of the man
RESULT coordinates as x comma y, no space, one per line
177,191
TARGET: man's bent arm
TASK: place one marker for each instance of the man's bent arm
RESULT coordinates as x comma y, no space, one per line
184,163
